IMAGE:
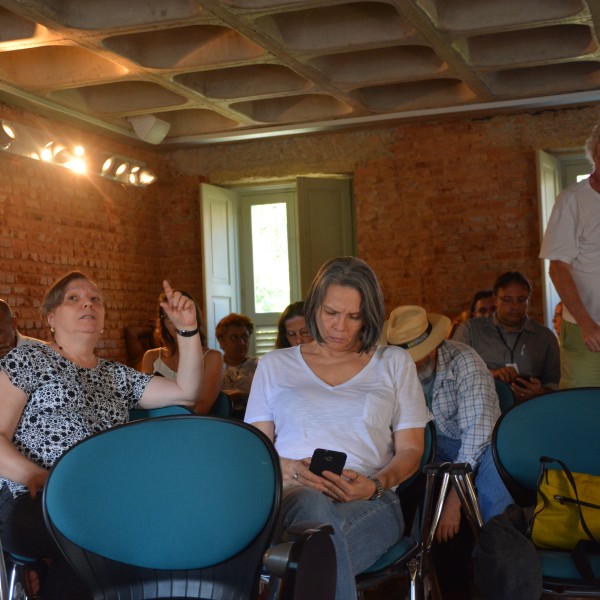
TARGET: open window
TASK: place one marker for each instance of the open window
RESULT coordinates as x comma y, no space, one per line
264,244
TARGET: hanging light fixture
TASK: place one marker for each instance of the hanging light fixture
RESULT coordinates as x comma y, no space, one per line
127,171
115,168
8,135
70,158
141,176
147,176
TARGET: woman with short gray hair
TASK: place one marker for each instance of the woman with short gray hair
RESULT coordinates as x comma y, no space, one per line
343,392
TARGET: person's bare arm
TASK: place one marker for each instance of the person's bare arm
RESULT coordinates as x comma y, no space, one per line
213,377
186,387
14,465
148,361
450,519
560,273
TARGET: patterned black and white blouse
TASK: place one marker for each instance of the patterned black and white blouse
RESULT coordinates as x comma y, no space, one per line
66,403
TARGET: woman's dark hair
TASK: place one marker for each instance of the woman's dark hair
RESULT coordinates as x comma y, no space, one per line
296,309
162,335
511,277
233,319
348,271
56,292
477,297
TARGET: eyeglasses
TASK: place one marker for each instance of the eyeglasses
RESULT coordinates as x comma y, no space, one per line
509,300
234,337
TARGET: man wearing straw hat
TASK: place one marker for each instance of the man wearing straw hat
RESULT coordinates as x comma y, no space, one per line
461,394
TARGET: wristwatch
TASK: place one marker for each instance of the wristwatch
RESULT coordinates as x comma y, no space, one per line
188,332
378,488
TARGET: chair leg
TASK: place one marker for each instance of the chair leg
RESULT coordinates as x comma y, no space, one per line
462,482
16,584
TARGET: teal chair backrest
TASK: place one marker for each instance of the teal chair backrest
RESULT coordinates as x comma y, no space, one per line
168,493
562,424
429,450
506,396
135,414
388,564
222,406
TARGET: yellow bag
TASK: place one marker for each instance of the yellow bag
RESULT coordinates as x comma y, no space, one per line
568,508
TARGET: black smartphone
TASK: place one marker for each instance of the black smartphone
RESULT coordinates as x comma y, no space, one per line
526,377
327,460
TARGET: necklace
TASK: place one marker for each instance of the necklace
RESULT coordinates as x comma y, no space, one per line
67,354
236,372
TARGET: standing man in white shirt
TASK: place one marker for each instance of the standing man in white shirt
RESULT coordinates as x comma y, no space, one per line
572,244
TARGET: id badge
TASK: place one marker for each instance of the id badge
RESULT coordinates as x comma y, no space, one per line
514,366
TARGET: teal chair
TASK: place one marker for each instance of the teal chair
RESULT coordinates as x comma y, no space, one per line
135,414
172,507
563,424
396,560
222,406
506,396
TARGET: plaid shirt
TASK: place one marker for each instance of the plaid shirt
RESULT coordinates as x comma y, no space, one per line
465,404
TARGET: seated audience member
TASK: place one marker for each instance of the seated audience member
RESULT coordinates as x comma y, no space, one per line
343,392
54,395
9,335
515,348
461,317
165,359
557,318
483,304
233,333
460,391
291,328
137,341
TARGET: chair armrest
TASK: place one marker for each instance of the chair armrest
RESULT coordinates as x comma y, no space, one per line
279,557
305,562
306,527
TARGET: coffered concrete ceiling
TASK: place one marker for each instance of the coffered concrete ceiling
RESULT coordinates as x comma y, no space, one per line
207,71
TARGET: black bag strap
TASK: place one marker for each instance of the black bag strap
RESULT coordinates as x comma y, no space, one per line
579,554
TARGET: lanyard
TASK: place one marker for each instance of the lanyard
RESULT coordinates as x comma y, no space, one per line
511,350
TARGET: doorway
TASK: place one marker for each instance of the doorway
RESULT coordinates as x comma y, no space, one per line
269,242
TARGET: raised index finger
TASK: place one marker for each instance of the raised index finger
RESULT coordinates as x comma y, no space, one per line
168,291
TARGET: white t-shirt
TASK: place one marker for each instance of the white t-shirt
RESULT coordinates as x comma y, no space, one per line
357,417
573,237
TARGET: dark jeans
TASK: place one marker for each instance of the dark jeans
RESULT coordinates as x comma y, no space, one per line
23,532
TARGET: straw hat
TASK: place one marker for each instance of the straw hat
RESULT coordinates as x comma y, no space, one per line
415,330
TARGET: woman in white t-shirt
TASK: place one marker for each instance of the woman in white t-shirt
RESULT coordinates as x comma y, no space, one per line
343,392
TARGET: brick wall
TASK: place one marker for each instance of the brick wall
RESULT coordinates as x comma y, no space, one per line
441,208
53,221
457,204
